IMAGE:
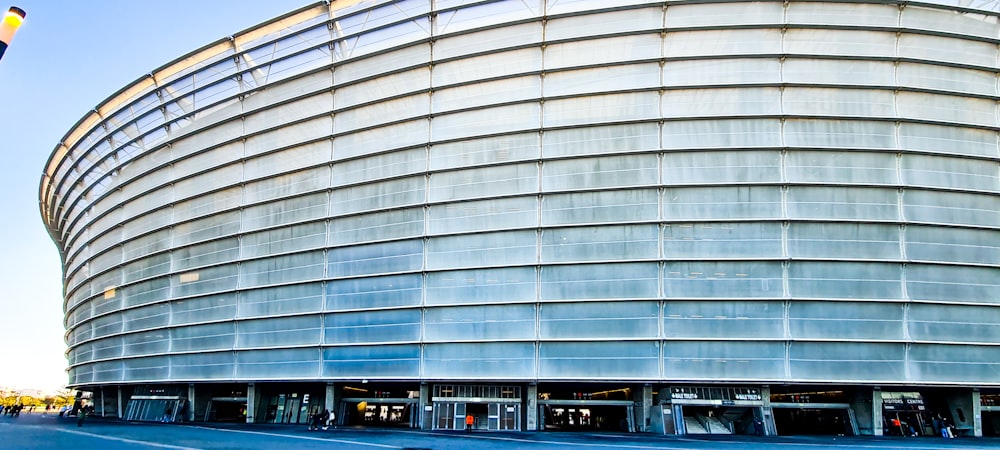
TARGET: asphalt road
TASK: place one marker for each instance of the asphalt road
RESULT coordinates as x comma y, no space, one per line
40,431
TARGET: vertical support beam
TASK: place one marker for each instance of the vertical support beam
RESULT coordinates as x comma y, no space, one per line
863,405
767,412
876,422
977,413
189,416
330,402
251,402
531,407
643,402
426,409
121,412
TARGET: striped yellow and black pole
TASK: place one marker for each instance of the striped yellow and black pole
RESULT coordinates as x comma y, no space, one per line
11,22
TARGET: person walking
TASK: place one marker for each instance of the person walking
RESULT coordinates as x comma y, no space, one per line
81,416
469,421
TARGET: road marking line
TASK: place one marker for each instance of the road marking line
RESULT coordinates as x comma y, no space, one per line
308,438
129,441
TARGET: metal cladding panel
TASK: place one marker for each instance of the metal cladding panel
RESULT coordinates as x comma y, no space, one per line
712,191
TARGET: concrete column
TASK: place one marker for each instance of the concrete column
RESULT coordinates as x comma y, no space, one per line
766,412
251,401
426,409
644,400
530,407
330,402
876,420
190,403
977,413
121,411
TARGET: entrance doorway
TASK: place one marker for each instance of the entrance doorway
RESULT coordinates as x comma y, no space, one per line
590,416
813,421
492,416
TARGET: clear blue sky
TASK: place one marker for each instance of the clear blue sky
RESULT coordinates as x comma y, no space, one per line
67,58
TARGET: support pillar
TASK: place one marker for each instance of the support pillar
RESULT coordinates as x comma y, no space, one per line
767,412
643,402
876,422
189,417
121,411
977,413
531,407
251,402
330,402
426,409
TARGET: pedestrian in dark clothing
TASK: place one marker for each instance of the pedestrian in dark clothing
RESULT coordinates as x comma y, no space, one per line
81,416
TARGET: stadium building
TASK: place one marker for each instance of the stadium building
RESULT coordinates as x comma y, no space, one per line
671,217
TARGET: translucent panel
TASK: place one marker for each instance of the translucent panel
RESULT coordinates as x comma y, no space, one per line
721,102
745,166
951,208
145,223
592,173
147,267
378,167
937,48
282,269
399,325
842,203
838,320
724,202
282,364
279,186
843,240
840,42
721,14
203,366
108,371
385,61
722,42
951,140
377,361
281,300
493,323
862,362
599,320
145,245
219,177
722,240
212,227
953,283
152,316
926,243
600,109
641,47
583,281
388,257
597,360
949,173
633,205
946,108
600,140
386,194
607,243
947,78
104,349
385,110
577,26
204,309
515,212
472,152
285,211
209,204
509,36
501,285
483,360
149,343
209,253
714,360
406,134
722,133
285,113
107,325
283,240
205,281
730,320
289,135
845,280
486,93
154,368
842,14
838,102
279,332
377,226
841,72
737,279
948,21
484,121
216,336
373,292
483,182
145,292
601,79
703,72
384,86
839,134
478,250
953,323
954,363
840,167
494,65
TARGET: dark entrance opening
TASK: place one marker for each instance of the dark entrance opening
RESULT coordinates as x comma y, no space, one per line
828,422
586,417
377,413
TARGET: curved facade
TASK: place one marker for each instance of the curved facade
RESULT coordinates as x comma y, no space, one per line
544,196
